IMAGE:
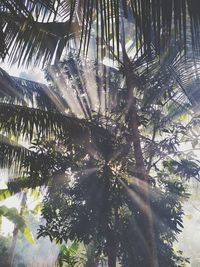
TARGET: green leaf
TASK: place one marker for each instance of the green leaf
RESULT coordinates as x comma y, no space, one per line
28,235
12,215
37,209
5,193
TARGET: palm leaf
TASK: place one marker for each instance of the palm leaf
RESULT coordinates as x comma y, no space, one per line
28,93
12,215
30,122
19,184
20,120
11,156
21,9
164,24
39,95
35,42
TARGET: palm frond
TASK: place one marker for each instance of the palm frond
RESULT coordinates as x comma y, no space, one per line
175,79
21,10
40,95
87,88
12,156
25,7
28,93
29,41
31,34
19,184
30,123
15,217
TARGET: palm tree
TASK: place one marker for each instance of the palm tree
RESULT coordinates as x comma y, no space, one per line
37,31
109,18
87,181
98,142
19,93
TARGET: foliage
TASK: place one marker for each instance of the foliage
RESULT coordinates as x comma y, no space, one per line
42,29
12,215
68,256
99,203
88,166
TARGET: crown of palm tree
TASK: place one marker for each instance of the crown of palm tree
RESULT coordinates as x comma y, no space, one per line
38,31
80,104
85,143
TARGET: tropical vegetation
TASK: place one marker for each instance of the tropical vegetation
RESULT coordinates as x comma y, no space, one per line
103,139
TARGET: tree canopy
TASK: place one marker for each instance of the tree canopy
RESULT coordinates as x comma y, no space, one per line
36,31
103,140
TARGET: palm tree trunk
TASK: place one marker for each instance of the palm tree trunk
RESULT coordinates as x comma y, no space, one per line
151,259
149,234
10,259
111,250
91,254
112,255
